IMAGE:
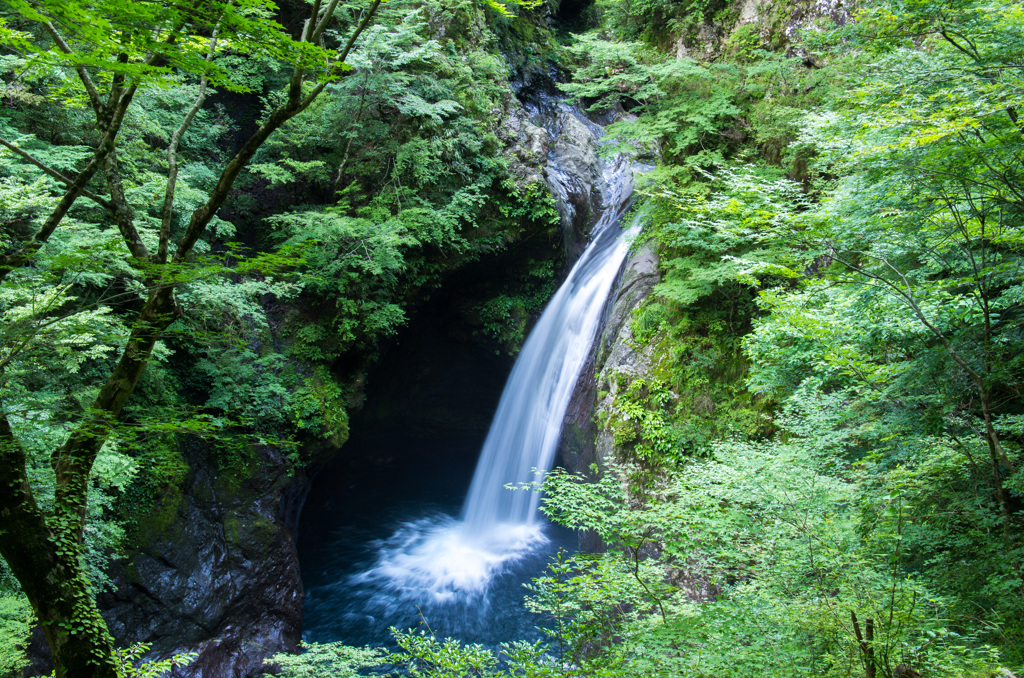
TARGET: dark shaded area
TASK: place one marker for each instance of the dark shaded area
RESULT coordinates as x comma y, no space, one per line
575,16
411,456
439,375
412,451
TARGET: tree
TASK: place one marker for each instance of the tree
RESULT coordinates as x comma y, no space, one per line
929,211
115,50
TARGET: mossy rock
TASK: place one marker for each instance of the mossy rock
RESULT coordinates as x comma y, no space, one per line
161,520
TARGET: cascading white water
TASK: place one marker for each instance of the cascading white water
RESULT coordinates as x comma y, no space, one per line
444,566
526,428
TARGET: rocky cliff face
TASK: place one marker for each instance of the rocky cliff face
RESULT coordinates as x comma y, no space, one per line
583,442
617,355
771,22
573,173
217,573
551,142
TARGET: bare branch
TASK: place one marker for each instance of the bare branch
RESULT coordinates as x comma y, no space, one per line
124,216
83,75
321,24
21,257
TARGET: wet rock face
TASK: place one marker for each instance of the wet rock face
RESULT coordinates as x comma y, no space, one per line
546,141
573,175
616,354
582,443
527,145
575,150
218,574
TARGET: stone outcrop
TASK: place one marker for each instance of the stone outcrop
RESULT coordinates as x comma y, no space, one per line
583,443
217,573
527,144
775,24
550,142
573,175
617,354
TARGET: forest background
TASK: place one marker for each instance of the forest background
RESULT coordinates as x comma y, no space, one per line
816,467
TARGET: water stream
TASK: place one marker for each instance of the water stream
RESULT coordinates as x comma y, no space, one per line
462,572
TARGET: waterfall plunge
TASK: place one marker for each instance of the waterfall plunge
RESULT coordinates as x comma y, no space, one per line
526,428
444,566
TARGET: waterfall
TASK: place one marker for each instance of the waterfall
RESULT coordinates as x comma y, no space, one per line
444,567
526,428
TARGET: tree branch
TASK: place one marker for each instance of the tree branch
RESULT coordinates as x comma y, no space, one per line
321,24
355,36
83,75
22,256
124,216
998,453
103,202
172,160
972,52
201,216
47,568
118,101
73,460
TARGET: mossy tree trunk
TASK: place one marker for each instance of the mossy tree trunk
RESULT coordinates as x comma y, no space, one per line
46,563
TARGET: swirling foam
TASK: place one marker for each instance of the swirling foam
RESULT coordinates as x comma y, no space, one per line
438,561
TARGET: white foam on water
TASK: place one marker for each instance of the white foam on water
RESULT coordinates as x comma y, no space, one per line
438,560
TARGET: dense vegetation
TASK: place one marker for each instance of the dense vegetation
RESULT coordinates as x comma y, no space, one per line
361,160
823,461
820,473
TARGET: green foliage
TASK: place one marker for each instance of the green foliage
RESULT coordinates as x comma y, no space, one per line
769,548
398,163
49,359
16,622
15,626
692,325
696,114
530,204
422,109
648,320
110,28
611,73
830,428
886,328
427,657
506,315
356,263
130,664
319,406
656,20
331,660
639,424
872,309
